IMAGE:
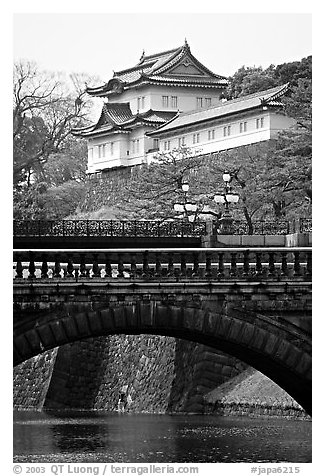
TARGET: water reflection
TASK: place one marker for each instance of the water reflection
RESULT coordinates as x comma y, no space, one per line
112,437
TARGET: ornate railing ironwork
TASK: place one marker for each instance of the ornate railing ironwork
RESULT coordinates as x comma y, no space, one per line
159,264
109,228
268,227
152,228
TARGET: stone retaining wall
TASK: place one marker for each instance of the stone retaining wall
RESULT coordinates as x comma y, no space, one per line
163,374
31,381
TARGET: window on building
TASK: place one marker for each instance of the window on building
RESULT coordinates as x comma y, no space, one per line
140,102
262,121
135,146
167,145
181,141
165,101
211,134
227,131
156,143
207,102
174,101
258,123
199,103
243,127
112,148
101,151
196,138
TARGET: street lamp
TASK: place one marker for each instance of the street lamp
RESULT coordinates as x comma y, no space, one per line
225,198
187,209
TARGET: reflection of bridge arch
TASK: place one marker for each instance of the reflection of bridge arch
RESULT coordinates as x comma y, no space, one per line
278,349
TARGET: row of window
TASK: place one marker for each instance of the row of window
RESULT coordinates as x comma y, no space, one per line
227,131
172,102
200,102
103,150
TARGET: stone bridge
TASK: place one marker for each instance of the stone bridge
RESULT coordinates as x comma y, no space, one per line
254,304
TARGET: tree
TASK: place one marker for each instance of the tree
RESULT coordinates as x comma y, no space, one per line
249,80
45,109
154,188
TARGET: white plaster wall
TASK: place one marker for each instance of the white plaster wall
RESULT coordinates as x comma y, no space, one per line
153,97
109,160
221,142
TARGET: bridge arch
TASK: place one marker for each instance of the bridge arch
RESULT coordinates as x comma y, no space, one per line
280,352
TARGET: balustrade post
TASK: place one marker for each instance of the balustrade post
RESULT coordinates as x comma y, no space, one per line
183,264
233,264
108,266
19,267
95,268
170,271
296,266
271,270
258,261
246,263
145,265
31,267
57,267
208,268
44,268
133,266
70,266
221,265
195,264
120,265
158,270
82,268
284,264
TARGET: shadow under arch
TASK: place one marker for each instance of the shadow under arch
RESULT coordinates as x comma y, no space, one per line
281,353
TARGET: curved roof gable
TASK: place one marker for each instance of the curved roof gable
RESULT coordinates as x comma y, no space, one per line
178,63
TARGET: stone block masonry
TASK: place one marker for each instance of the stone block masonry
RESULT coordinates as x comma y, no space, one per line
31,381
163,374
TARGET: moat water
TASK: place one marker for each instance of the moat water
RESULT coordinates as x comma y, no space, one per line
80,437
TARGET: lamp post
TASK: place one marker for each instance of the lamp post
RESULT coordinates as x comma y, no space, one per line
188,209
225,198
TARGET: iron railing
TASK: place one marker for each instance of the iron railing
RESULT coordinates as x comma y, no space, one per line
152,228
268,227
109,228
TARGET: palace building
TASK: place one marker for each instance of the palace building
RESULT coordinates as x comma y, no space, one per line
169,100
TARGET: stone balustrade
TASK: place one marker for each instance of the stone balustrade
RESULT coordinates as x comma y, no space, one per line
165,264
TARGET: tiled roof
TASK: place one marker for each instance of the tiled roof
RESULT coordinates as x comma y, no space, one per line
268,97
117,112
119,117
189,80
153,68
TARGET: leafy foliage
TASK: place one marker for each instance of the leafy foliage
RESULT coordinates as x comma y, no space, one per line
45,107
